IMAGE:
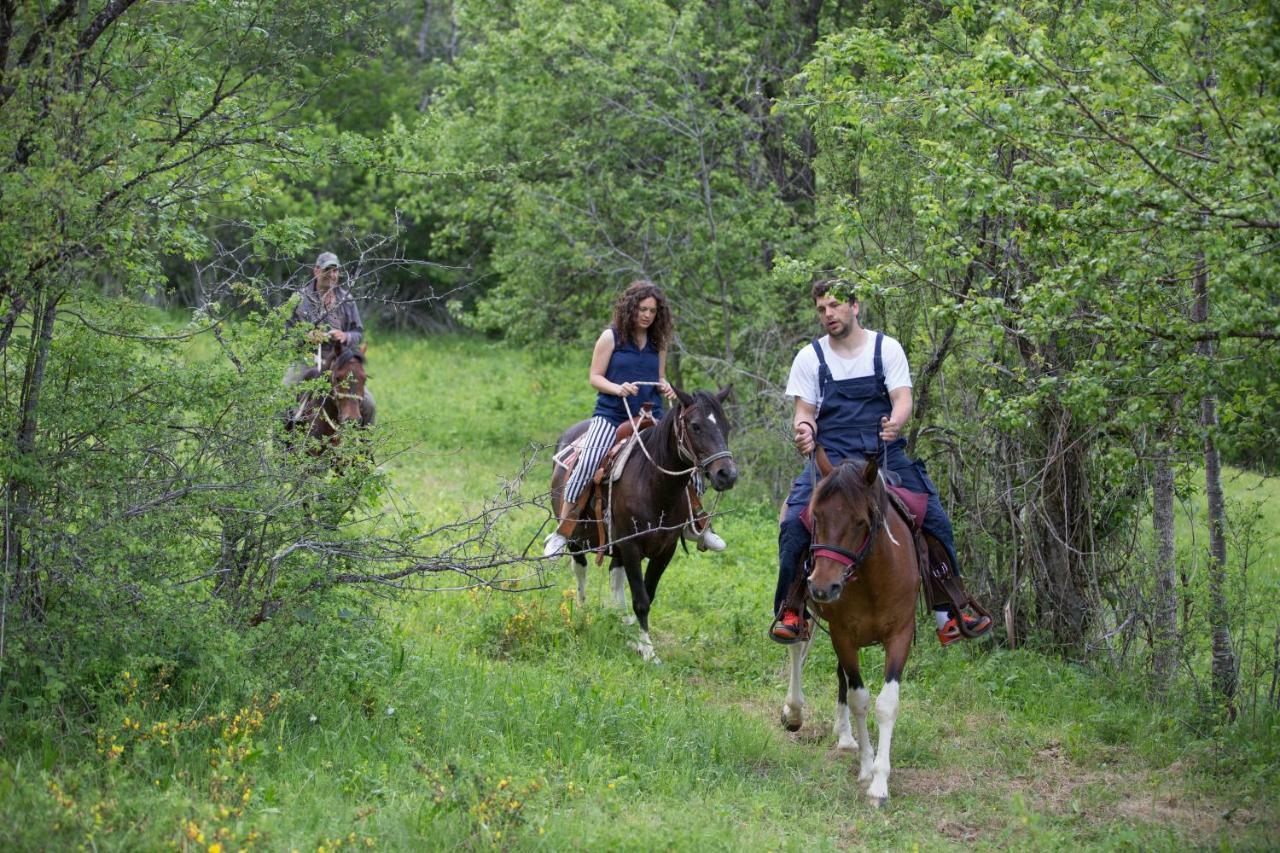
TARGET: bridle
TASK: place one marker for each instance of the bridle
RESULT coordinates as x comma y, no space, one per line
682,444
335,394
851,560
687,454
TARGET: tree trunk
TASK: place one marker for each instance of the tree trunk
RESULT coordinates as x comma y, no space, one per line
1224,658
26,587
1165,610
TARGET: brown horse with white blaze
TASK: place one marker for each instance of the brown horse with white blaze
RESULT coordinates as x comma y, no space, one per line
648,506
864,581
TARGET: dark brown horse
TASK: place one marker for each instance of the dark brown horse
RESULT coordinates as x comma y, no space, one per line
320,414
647,507
864,581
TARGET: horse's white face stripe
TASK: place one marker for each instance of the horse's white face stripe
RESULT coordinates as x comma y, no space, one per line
712,418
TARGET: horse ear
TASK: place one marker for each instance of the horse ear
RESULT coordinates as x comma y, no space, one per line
871,472
824,464
685,399
723,393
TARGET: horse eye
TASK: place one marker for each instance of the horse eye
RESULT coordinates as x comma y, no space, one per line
695,426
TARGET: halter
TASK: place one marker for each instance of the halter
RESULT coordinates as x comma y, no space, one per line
851,560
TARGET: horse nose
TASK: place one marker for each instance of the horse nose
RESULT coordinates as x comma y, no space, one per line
723,478
824,593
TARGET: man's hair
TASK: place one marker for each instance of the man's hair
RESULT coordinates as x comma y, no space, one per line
822,286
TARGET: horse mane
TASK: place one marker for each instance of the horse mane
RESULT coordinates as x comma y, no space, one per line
345,356
848,479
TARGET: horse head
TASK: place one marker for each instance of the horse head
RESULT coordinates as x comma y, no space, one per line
848,513
347,378
703,435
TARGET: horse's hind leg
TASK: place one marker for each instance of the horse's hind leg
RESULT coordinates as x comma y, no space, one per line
895,658
793,705
618,585
580,570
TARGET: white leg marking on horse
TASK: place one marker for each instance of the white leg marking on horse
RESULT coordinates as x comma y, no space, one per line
861,705
581,572
618,586
886,716
645,648
843,730
793,705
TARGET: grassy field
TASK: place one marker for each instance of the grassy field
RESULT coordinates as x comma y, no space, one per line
486,719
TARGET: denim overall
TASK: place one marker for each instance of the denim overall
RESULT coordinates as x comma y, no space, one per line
849,416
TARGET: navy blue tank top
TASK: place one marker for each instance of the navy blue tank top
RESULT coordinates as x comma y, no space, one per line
630,364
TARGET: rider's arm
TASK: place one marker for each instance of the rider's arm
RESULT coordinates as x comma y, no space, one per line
600,363
667,390
351,325
805,425
903,403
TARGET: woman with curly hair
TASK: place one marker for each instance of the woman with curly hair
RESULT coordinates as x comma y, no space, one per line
632,350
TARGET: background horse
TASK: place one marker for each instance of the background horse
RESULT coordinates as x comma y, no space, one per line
864,582
648,504
320,414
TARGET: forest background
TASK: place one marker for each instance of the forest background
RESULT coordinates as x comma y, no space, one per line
1066,213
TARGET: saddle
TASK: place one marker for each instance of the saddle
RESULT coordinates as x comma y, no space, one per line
593,499
939,584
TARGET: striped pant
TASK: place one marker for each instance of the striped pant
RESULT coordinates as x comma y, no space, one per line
595,444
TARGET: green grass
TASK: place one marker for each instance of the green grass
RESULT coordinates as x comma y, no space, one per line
490,719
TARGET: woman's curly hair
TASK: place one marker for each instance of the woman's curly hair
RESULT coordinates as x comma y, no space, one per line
627,310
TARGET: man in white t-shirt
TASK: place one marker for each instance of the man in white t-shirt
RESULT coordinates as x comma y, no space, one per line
852,392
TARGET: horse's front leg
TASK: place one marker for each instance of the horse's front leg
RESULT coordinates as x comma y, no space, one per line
631,558
842,729
793,705
895,658
847,661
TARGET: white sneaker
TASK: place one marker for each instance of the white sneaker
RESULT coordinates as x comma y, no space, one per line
556,546
708,540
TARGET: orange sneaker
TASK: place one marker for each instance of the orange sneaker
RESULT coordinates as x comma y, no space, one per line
951,632
788,628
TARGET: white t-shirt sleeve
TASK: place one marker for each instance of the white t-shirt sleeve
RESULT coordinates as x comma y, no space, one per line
897,373
803,381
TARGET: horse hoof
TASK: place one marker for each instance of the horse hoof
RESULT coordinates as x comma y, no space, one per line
791,721
847,746
629,619
879,802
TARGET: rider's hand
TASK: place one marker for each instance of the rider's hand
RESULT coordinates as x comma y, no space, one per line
888,429
628,389
804,438
667,390
338,335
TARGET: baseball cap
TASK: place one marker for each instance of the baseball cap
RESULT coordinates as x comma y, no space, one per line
326,260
